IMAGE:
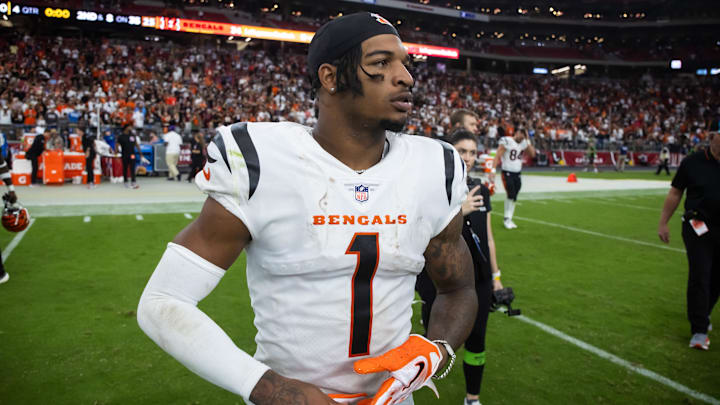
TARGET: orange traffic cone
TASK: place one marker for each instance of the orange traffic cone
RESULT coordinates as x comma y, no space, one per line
572,178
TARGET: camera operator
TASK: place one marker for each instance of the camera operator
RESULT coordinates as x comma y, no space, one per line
699,173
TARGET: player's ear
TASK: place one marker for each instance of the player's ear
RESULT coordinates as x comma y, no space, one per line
327,74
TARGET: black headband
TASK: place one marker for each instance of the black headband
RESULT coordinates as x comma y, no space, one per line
337,37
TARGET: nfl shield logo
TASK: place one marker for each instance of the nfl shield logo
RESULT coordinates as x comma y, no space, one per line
361,193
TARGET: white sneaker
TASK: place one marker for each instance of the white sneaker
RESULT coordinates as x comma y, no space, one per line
471,402
5,278
700,341
507,225
512,224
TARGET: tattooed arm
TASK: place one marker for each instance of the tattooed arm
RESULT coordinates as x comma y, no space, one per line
276,389
449,265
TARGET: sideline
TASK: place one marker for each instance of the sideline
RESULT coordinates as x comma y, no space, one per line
15,241
619,361
620,238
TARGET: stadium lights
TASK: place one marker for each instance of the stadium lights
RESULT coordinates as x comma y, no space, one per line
561,70
676,64
540,71
701,72
714,71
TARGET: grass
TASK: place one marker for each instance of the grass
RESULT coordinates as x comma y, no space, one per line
68,333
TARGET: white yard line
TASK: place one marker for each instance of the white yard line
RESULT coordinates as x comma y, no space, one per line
188,216
621,362
603,235
87,219
139,217
14,242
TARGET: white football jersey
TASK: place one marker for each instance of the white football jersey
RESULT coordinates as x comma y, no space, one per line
512,159
334,254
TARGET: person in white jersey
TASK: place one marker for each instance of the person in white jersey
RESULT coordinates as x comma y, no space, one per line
335,237
172,153
511,150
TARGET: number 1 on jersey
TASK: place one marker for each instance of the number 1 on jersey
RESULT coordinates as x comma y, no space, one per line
365,246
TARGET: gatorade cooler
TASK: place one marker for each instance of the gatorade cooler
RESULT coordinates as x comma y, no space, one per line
75,141
21,171
54,172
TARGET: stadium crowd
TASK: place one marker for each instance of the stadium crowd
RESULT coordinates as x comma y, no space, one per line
66,82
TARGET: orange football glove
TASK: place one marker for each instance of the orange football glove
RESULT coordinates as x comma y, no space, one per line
411,366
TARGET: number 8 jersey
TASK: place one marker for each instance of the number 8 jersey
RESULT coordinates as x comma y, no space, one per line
334,254
512,159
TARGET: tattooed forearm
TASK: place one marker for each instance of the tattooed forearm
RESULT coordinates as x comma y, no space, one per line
449,265
275,389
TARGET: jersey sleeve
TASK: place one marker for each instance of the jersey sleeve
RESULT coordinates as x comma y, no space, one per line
503,141
455,186
226,177
524,144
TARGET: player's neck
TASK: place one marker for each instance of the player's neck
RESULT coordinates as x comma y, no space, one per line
359,149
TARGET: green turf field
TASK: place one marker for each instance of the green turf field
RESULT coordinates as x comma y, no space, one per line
68,333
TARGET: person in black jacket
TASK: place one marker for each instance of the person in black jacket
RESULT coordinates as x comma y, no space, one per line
477,233
88,144
197,155
36,149
128,142
699,174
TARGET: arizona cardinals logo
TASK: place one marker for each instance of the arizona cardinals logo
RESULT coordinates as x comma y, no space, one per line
380,19
206,173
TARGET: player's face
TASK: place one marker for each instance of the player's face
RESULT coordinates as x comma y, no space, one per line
468,152
470,123
386,82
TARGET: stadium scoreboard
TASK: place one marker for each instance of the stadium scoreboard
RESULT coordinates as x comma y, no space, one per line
195,26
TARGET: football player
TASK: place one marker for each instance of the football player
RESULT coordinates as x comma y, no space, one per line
335,237
11,198
511,149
